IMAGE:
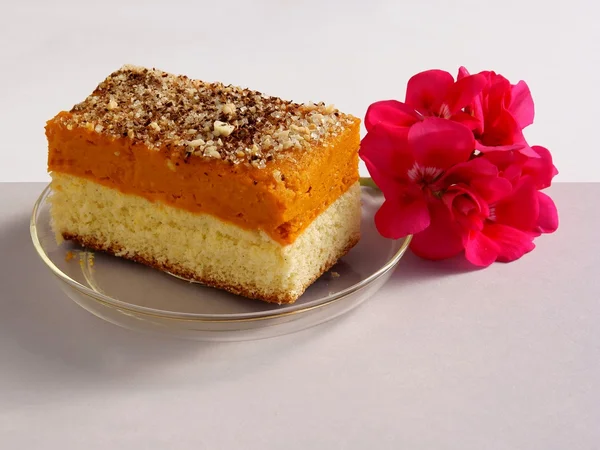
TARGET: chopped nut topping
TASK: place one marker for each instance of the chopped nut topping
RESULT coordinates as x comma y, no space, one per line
172,113
222,128
211,152
196,143
229,109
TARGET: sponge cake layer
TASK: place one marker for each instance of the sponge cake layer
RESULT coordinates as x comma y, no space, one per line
203,247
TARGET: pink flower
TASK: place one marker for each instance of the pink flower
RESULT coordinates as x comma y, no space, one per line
489,218
493,218
512,224
465,191
406,166
513,165
435,93
455,169
502,110
536,173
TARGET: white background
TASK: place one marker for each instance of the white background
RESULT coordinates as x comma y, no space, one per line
350,53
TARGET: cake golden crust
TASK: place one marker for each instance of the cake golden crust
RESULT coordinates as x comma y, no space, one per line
246,291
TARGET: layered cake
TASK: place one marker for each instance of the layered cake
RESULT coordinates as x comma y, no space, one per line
219,184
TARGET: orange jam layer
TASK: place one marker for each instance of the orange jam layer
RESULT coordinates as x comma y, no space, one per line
281,199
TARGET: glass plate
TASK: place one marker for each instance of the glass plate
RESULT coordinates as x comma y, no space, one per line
141,298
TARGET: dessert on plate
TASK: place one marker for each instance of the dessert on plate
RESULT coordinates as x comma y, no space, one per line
220,184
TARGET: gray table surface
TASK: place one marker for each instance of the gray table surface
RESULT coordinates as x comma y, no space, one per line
440,358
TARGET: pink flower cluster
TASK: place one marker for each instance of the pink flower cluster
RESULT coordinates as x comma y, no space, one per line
456,170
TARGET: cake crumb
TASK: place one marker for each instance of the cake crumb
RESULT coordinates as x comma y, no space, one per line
335,274
69,256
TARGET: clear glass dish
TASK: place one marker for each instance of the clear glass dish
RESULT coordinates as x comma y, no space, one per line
137,297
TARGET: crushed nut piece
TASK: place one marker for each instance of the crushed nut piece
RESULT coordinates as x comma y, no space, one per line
229,109
196,143
212,152
222,128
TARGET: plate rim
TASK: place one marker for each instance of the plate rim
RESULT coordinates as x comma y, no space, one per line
212,318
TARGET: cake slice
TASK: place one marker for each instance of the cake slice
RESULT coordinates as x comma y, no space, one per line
218,184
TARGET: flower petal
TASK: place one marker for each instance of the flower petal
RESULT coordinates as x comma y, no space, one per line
504,159
427,90
466,171
521,104
541,168
387,158
440,143
521,208
403,214
498,91
498,148
521,147
475,108
512,243
462,190
482,177
466,207
443,238
468,120
391,113
462,73
500,127
480,249
548,217
463,92
491,190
